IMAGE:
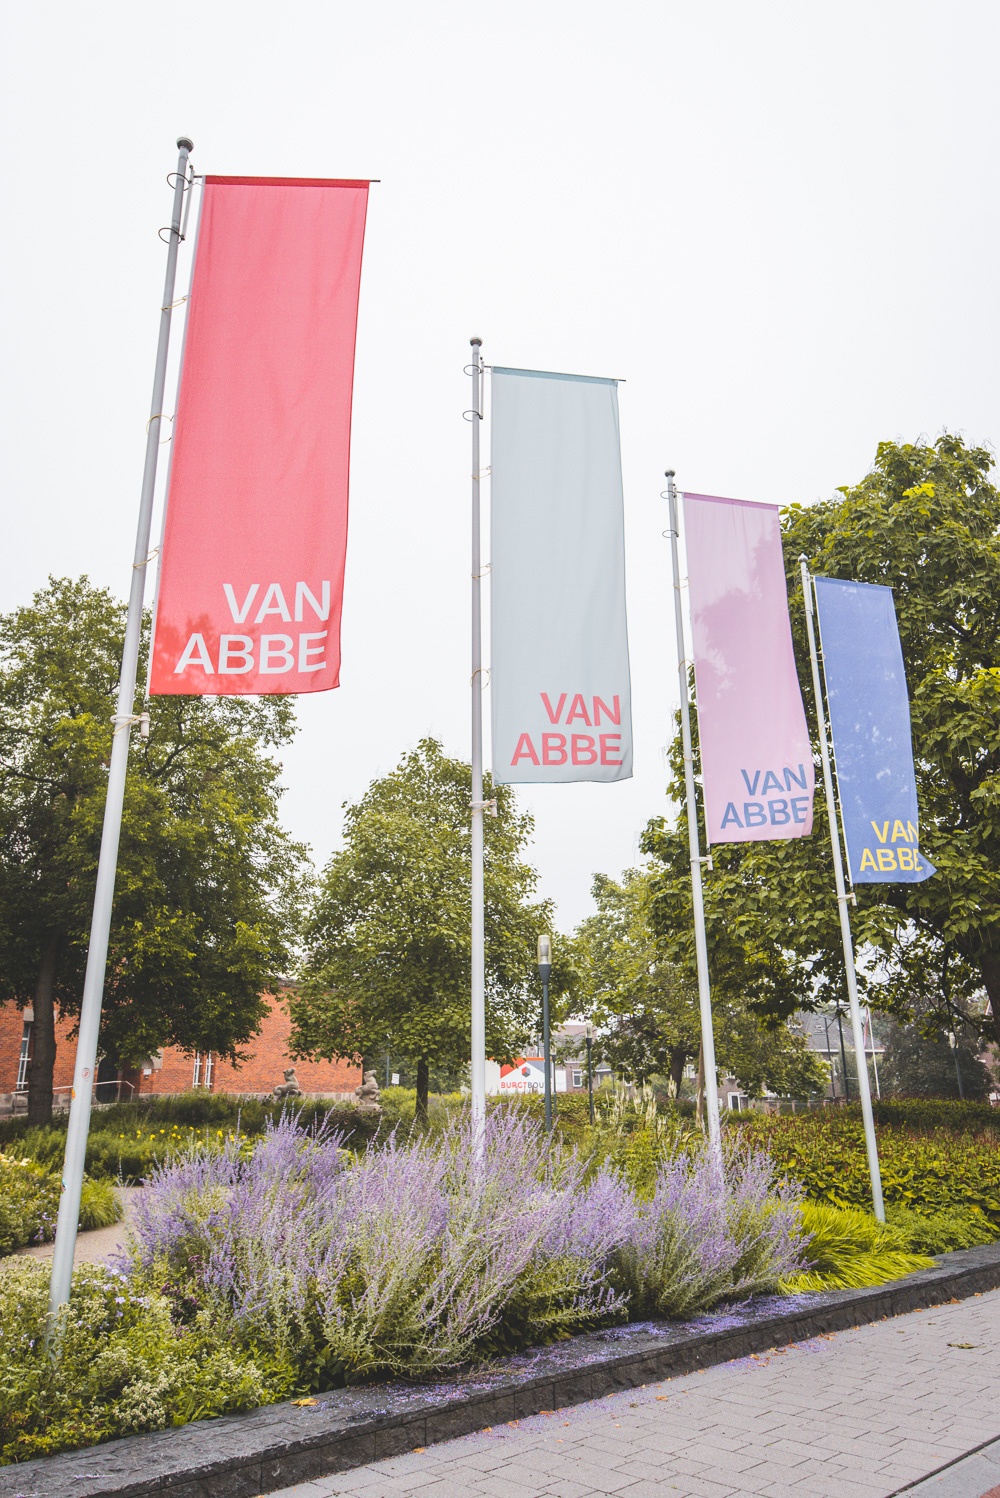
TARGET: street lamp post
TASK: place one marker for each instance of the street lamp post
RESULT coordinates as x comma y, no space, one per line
843,1056
831,1064
590,1068
953,1042
544,972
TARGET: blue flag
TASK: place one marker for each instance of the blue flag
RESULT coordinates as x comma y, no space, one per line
870,718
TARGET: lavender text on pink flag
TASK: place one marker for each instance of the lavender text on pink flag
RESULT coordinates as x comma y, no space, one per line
756,758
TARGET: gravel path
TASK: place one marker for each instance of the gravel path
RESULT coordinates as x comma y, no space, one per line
100,1242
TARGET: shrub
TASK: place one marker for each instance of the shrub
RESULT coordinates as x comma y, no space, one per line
127,1140
29,1203
405,1262
120,1365
930,1172
942,1232
708,1232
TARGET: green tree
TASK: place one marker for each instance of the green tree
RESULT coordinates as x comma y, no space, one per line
775,1058
919,1062
646,1004
205,899
925,522
645,1009
389,940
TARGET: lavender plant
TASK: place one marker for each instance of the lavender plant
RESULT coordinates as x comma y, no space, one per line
417,1257
714,1227
409,1261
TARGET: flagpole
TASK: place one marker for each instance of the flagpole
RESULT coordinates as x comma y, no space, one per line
694,846
478,947
97,954
860,1050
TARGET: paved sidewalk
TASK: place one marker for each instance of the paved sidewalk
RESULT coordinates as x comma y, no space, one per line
857,1414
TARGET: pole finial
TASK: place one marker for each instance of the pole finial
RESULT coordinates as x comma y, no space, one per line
803,557
669,473
184,144
476,342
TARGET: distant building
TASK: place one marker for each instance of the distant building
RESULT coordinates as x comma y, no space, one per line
171,1070
823,1035
527,1073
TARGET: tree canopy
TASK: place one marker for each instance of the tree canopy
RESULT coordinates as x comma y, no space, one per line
205,900
925,522
389,941
646,1003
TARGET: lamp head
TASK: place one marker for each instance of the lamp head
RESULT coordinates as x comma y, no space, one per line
545,956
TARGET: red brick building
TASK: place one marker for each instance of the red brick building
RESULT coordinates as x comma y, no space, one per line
173,1070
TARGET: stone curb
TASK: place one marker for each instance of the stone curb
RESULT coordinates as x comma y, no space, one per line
241,1456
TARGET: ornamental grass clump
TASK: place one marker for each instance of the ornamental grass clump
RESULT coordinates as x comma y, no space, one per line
845,1249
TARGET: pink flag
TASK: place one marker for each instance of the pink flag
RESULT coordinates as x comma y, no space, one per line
252,570
756,758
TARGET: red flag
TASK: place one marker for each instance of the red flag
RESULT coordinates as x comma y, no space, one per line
252,571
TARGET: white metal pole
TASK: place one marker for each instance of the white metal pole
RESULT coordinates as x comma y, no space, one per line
97,954
700,942
478,1029
860,1050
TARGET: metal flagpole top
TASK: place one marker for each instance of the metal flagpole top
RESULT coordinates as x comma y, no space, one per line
185,143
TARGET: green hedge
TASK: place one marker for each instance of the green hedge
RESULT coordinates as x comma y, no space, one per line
128,1139
930,1169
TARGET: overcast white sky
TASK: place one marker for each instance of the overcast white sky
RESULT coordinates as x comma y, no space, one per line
778,222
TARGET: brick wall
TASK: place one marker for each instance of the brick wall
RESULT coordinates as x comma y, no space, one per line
11,1030
268,1058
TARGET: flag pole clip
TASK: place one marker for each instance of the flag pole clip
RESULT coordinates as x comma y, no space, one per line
125,720
487,806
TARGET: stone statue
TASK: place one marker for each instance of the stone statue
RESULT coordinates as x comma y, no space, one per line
368,1095
289,1087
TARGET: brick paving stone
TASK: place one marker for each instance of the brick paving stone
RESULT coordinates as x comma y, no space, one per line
566,1486
856,1415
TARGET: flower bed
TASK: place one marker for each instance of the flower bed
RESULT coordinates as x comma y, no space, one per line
295,1267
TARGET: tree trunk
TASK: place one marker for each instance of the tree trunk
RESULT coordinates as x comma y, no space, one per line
989,966
423,1088
700,1111
43,1035
678,1056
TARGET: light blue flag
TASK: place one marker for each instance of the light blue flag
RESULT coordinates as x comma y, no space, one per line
872,743
559,672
